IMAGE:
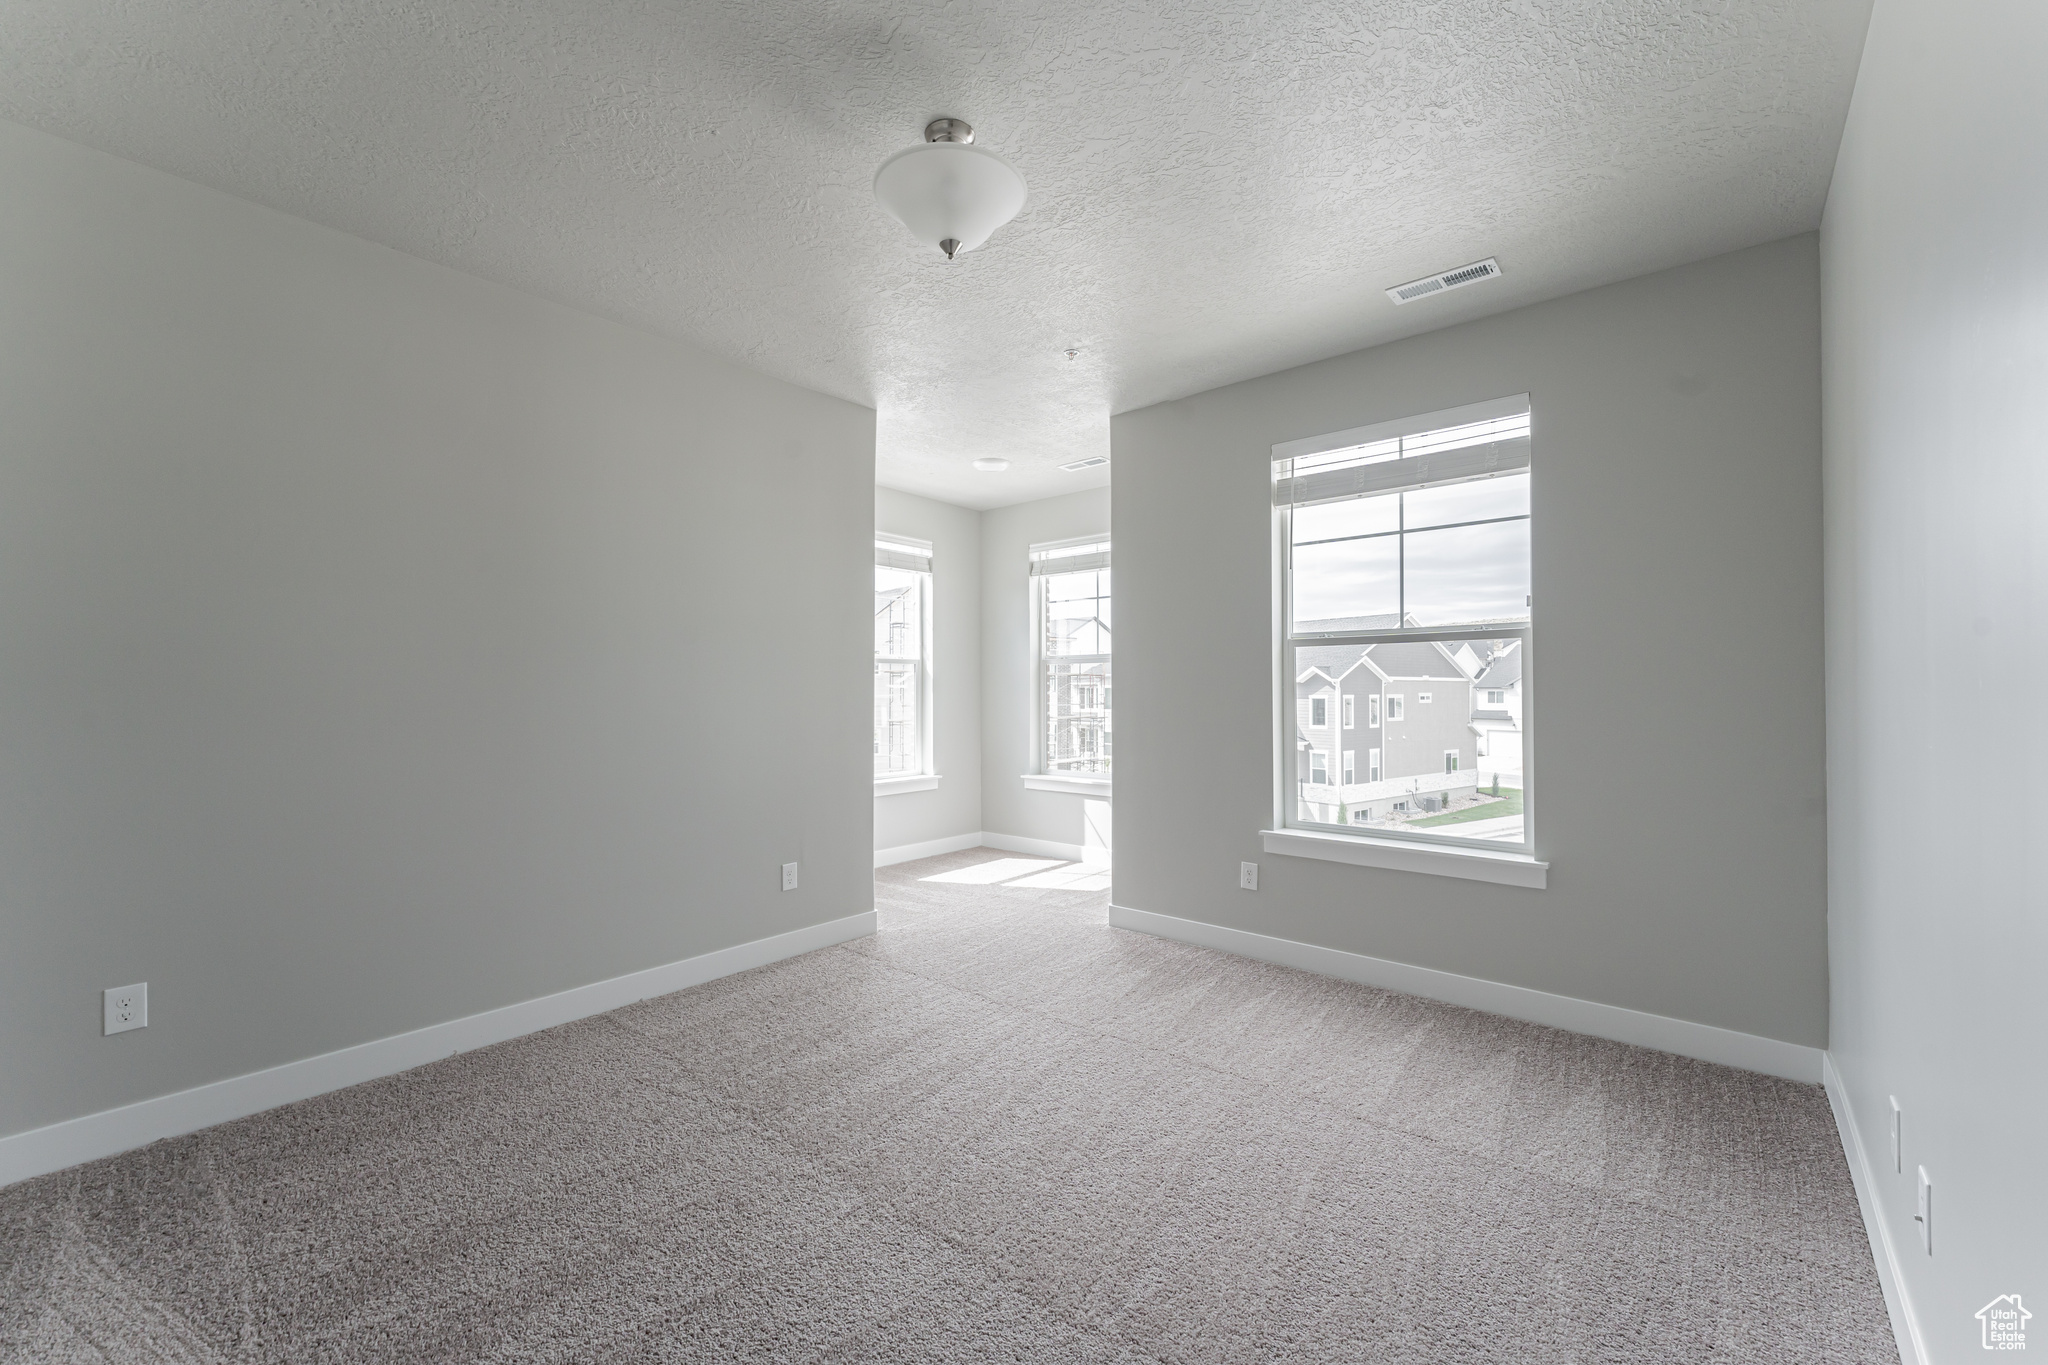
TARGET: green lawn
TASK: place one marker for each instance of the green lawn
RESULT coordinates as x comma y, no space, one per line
1510,803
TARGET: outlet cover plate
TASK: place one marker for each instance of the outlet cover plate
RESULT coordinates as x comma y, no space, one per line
789,876
125,1007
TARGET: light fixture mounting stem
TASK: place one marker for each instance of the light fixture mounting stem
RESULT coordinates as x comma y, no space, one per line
948,130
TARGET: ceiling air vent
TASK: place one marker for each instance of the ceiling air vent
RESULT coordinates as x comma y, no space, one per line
1449,279
1092,462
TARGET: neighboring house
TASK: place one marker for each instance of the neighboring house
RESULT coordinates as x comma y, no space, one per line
897,634
1399,727
1077,701
1497,709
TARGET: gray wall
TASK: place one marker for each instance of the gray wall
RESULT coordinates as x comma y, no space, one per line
955,808
1935,293
1007,741
1677,610
382,645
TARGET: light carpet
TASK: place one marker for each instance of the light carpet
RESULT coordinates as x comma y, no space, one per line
997,1131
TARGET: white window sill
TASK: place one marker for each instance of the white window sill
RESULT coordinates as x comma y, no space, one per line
896,786
1059,782
1474,864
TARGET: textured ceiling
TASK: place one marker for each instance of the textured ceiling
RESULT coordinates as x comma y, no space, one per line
1219,188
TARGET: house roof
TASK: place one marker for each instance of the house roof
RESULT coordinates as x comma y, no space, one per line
1395,659
1334,660
1505,670
883,598
1413,659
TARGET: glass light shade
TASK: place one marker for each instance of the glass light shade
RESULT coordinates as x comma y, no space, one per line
952,191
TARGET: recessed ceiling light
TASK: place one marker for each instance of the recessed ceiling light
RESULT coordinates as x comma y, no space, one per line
1488,269
989,464
1092,462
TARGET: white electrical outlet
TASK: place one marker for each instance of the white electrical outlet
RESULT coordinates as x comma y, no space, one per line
1248,876
1925,1218
789,876
126,1007
1898,1137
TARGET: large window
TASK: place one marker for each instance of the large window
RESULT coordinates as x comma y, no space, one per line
1405,565
1070,590
903,593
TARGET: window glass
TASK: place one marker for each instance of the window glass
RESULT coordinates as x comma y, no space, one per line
1468,575
900,596
1074,663
1346,578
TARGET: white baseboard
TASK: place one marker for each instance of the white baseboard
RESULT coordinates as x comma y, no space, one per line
1890,1273
1044,848
981,838
41,1150
930,848
1682,1036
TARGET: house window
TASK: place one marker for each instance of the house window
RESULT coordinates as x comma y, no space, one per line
1350,766
1318,768
1348,716
1071,604
1405,554
1319,712
903,595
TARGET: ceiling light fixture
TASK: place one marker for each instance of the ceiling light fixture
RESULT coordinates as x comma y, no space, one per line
948,192
990,464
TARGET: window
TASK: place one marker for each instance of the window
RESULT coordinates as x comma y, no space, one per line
1319,712
1405,554
1350,766
1318,768
1071,602
903,594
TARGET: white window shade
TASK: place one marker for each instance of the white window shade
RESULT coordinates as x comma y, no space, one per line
914,555
1401,464
1069,557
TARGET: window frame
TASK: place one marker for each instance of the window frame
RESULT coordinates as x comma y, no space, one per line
1041,665
1288,778
927,769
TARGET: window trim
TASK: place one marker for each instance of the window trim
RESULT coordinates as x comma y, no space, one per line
1411,850
926,777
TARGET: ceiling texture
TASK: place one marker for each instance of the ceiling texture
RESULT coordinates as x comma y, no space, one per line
1219,188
